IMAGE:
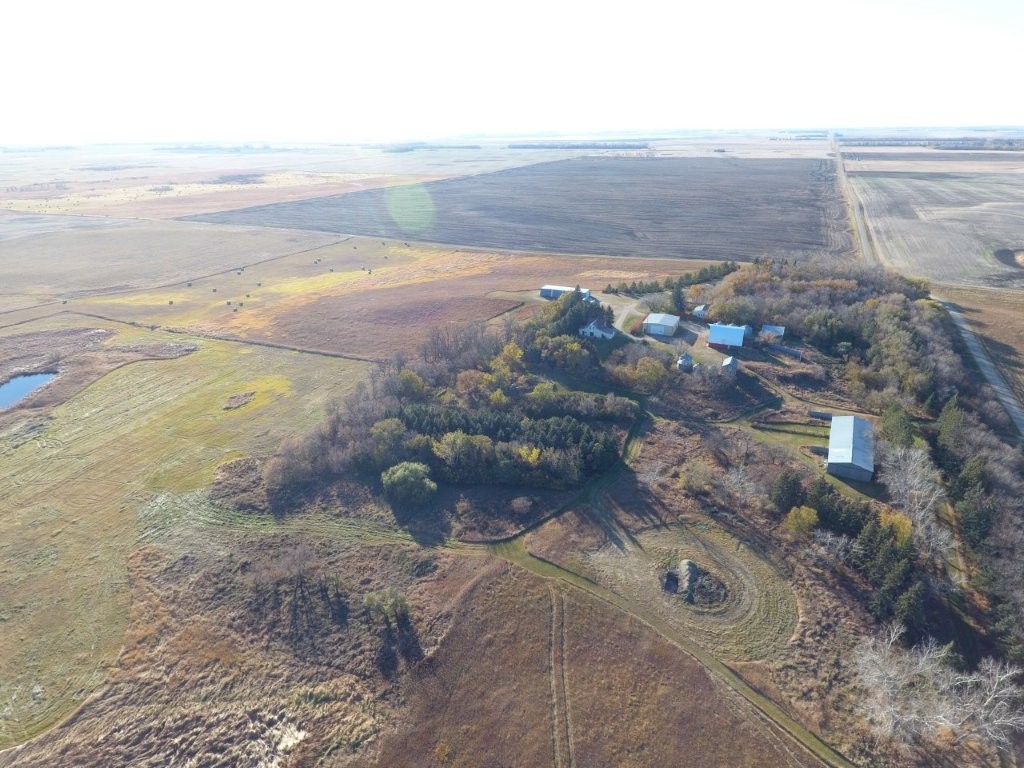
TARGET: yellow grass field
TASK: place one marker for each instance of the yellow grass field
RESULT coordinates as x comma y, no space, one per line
72,486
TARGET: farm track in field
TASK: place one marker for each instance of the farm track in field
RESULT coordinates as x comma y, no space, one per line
1004,393
561,728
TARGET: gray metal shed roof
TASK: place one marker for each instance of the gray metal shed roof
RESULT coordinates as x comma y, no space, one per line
659,318
851,441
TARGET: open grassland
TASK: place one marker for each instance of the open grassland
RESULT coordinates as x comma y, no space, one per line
716,208
364,297
755,620
553,677
73,480
224,654
631,684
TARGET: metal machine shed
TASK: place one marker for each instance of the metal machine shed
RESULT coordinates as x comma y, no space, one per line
554,291
851,448
661,324
722,335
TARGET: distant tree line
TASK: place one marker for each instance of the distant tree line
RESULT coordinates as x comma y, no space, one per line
703,275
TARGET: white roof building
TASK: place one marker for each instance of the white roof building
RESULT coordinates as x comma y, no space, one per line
699,311
722,335
851,448
661,324
597,329
554,291
778,331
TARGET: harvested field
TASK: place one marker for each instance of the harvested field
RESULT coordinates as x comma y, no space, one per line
679,207
14,225
364,297
948,226
997,317
127,256
74,475
164,182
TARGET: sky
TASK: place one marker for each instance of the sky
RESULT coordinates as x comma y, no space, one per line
108,71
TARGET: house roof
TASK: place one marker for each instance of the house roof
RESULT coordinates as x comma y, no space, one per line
700,308
660,318
851,441
563,288
600,325
774,330
729,362
731,335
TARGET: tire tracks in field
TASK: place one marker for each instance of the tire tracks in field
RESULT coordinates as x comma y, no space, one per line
561,720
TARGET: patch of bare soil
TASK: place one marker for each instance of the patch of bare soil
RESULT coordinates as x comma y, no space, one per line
238,400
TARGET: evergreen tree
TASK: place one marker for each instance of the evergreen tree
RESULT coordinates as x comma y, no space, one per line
951,424
787,491
896,426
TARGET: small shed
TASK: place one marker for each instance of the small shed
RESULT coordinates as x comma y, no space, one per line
685,362
554,291
730,364
661,324
851,448
778,331
597,329
723,336
700,311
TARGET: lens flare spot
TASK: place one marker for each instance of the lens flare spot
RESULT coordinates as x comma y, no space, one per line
411,208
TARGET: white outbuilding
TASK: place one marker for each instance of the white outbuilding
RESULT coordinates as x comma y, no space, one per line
851,448
660,324
554,291
723,336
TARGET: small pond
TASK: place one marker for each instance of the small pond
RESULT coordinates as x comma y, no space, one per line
21,386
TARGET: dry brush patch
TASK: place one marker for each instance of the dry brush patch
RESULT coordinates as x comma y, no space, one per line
256,645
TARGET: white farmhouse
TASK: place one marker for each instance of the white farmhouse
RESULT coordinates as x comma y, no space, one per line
597,329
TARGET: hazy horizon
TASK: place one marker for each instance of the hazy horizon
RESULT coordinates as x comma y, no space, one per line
114,72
